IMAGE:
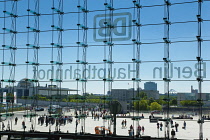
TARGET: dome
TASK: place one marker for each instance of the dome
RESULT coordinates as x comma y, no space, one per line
25,83
172,91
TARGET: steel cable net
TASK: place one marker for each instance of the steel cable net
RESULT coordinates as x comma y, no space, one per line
94,65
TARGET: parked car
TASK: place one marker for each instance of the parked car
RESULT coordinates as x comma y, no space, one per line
39,109
155,112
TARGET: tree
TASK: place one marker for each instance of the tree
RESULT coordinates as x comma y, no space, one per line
141,105
151,100
161,102
190,103
64,100
155,106
173,101
136,105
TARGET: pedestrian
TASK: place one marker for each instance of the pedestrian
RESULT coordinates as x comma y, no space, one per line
173,133
125,122
95,116
158,125
161,126
122,123
39,120
46,121
56,124
8,127
23,125
98,117
138,131
142,128
16,119
129,132
3,126
92,114
77,123
172,122
131,127
176,126
184,125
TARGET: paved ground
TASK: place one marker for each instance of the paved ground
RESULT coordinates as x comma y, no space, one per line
191,131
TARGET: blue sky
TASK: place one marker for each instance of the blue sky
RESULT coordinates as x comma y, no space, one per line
121,53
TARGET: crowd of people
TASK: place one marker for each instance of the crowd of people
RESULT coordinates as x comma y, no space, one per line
62,120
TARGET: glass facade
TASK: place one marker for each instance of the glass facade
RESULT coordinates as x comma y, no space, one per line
145,54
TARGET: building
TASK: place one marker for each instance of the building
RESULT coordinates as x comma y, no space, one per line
194,96
181,96
150,86
151,94
124,96
27,88
172,92
193,90
127,95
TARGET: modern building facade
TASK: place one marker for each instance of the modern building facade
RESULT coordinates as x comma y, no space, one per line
27,88
150,86
126,95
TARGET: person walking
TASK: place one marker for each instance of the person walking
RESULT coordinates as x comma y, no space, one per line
3,126
23,125
131,127
176,126
130,133
143,129
122,123
138,131
172,123
161,126
77,122
173,133
8,127
184,125
158,125
125,122
16,119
